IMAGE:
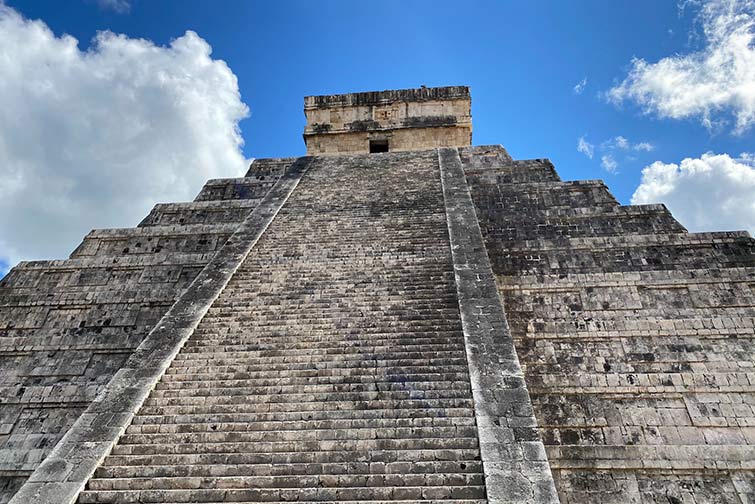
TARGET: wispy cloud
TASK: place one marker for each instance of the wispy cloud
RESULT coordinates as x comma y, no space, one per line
580,86
622,143
119,6
713,84
613,151
608,163
585,147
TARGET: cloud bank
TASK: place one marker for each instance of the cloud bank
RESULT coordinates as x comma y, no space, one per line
714,85
711,193
94,138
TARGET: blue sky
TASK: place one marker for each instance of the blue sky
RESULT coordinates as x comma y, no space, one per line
522,61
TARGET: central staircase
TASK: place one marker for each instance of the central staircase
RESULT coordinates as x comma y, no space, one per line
332,367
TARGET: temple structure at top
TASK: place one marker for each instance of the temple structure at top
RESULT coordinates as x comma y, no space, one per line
388,121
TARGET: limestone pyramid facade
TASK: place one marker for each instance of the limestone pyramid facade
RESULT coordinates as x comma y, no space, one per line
397,317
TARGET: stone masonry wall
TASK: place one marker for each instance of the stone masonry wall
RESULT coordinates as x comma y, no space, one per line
399,140
636,336
67,326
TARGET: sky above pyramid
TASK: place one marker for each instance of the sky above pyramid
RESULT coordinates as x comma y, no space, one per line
109,106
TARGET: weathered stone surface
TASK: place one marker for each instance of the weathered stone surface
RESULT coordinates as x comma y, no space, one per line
636,337
90,439
67,327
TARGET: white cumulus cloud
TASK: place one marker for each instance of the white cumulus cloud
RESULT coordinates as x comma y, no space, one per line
710,193
94,138
585,147
711,84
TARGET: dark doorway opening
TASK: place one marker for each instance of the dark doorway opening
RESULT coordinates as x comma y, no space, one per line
378,146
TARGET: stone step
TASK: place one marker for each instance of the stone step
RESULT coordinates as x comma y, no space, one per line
303,469
303,398
311,434
246,387
377,369
399,495
234,343
221,366
316,481
316,337
410,320
351,415
448,329
433,299
440,316
327,375
211,424
322,384
238,387
358,445
301,361
274,296
266,308
364,275
272,407
253,342
303,355
405,459
363,324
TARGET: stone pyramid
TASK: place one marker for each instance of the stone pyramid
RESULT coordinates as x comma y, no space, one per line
397,317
